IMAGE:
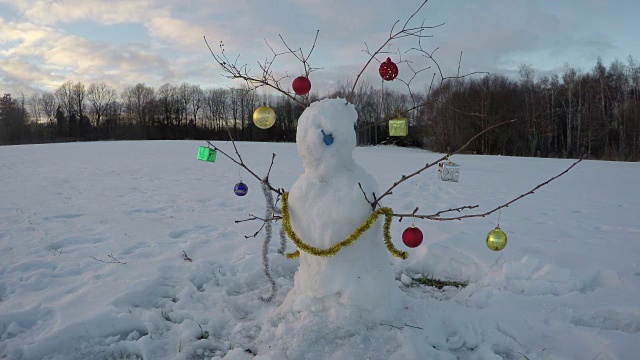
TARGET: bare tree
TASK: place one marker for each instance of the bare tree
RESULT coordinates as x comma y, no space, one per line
79,93
215,106
100,95
196,101
49,105
35,106
139,104
64,94
167,99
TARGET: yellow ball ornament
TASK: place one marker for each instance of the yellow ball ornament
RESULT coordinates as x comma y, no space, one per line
496,239
264,117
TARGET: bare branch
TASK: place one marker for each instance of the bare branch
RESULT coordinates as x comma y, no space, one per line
468,113
402,33
413,214
400,328
257,232
365,195
302,58
428,165
395,327
411,326
273,156
437,217
253,217
267,79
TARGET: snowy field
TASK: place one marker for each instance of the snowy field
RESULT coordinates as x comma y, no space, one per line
567,286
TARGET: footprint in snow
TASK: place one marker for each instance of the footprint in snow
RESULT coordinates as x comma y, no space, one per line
145,211
179,233
62,216
625,320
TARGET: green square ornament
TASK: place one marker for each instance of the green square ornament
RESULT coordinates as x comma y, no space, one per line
207,154
398,127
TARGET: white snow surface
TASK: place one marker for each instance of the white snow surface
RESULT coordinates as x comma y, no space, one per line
565,287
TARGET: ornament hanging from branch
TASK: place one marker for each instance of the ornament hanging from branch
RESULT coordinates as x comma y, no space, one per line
241,189
399,126
449,171
388,70
264,117
207,154
301,85
496,239
412,236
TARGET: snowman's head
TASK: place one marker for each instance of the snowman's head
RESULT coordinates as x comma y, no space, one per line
325,136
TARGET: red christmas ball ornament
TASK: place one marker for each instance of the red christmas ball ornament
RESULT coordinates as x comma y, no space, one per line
301,85
412,237
388,70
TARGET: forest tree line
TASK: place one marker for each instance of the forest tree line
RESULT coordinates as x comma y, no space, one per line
594,113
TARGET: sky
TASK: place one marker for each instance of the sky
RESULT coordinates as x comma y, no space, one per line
45,43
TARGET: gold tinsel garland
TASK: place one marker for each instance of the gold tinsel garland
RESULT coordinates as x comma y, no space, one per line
355,235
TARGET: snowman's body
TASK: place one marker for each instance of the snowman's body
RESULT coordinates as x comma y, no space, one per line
326,205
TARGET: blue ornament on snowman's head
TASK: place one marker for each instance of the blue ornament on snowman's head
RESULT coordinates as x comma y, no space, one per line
241,189
328,139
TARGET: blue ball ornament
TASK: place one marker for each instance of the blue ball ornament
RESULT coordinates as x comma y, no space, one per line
241,189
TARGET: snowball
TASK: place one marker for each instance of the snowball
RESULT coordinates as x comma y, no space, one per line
237,354
405,280
608,279
134,335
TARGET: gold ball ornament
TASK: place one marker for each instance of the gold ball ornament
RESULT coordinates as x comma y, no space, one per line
264,117
496,239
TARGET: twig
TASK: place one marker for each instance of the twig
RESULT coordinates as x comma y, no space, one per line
257,232
411,326
186,257
302,58
400,328
365,194
273,156
395,327
253,217
112,261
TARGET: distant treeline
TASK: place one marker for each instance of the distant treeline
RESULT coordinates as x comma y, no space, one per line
595,113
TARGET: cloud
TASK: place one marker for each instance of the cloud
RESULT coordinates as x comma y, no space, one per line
44,58
104,12
48,42
176,32
500,35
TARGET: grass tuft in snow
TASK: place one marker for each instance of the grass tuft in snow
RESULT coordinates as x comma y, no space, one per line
204,334
440,284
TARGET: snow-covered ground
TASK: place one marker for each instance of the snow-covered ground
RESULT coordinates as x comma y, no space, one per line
565,287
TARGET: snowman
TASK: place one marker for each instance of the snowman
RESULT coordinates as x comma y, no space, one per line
326,204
